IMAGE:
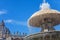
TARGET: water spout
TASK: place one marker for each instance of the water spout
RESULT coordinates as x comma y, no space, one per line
45,5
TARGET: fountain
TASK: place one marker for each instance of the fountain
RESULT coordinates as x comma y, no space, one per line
46,18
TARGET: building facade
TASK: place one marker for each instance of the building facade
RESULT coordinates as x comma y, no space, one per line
6,35
4,31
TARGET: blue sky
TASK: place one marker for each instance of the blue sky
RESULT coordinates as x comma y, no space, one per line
15,13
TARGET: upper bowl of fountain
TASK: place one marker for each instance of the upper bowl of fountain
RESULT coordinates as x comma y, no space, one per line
46,12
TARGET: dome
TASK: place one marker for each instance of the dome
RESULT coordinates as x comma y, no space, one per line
37,18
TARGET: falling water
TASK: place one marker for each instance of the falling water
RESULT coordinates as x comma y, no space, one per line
30,30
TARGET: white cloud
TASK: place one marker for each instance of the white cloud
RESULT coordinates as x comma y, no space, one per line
8,21
23,23
3,12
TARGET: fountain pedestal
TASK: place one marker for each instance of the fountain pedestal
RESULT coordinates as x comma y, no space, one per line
46,19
